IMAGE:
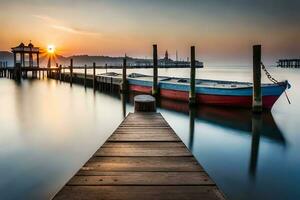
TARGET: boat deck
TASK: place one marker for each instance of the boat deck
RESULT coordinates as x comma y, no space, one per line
143,159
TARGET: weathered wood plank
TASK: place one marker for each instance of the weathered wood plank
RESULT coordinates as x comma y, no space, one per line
143,137
136,164
140,192
141,130
143,144
143,151
144,130
140,178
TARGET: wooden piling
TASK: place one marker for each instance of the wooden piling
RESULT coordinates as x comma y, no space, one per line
192,94
85,72
71,72
94,76
155,74
256,97
124,76
18,72
144,103
60,72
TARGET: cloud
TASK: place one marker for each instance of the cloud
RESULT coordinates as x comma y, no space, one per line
45,18
53,23
74,30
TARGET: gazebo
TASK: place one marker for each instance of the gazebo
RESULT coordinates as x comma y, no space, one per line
21,51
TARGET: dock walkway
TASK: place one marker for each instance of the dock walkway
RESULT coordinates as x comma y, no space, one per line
143,159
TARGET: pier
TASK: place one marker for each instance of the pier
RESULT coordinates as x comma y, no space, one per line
142,159
289,63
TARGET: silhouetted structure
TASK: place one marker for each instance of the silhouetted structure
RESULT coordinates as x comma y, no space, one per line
289,63
20,54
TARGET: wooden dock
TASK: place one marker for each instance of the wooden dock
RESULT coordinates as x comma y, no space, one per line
143,159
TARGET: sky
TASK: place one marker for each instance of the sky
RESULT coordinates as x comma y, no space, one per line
222,31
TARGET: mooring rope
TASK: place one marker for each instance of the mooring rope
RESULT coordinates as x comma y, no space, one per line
273,80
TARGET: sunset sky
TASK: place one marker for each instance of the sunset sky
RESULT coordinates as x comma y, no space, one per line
222,31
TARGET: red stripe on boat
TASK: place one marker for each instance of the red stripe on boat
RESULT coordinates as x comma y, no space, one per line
219,100
142,89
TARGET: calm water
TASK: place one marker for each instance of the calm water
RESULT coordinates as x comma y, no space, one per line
49,130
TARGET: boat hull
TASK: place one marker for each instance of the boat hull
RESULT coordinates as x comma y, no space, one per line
233,100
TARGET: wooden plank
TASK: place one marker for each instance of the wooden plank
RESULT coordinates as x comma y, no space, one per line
140,178
143,130
139,192
139,129
143,144
143,151
143,137
136,164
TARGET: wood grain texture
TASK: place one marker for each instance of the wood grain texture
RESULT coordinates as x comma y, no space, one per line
140,192
142,159
143,151
140,178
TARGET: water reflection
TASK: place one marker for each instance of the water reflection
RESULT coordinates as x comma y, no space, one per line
256,130
124,99
192,115
238,119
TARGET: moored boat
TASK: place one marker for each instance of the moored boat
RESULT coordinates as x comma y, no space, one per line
211,92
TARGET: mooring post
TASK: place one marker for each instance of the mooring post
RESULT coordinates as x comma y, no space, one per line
85,71
124,75
56,71
192,94
18,72
71,72
256,97
144,103
94,76
154,86
60,72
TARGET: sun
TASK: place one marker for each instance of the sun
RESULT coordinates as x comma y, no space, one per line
51,48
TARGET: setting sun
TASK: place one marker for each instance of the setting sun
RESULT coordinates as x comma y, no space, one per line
51,48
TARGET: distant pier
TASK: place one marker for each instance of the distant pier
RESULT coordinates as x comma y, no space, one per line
288,63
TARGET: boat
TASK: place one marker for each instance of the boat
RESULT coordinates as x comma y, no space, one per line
210,92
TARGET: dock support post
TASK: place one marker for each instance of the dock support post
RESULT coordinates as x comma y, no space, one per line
124,76
60,73
18,72
71,72
85,71
256,97
192,94
94,76
155,86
